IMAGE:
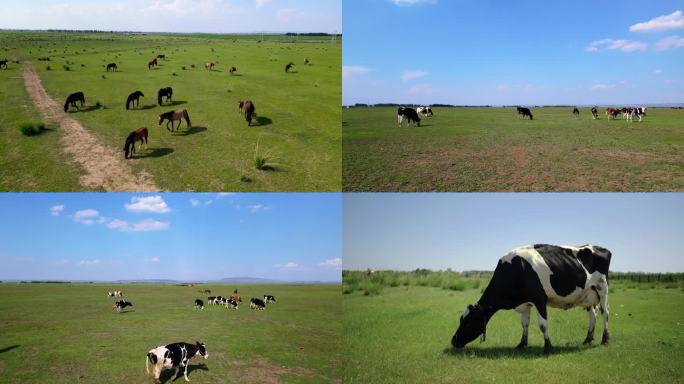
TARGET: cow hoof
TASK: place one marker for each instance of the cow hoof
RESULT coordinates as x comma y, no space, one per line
605,338
521,346
588,341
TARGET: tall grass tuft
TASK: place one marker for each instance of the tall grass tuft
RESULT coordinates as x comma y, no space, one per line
31,129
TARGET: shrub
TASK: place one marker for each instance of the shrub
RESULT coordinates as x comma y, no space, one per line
31,129
260,162
183,67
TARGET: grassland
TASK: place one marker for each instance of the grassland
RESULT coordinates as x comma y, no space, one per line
490,149
64,333
298,113
403,336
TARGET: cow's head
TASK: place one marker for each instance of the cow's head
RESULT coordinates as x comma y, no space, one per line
473,324
202,350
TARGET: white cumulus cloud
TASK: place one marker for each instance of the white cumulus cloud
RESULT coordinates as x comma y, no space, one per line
56,209
332,263
671,42
147,225
675,20
619,45
155,204
354,70
412,75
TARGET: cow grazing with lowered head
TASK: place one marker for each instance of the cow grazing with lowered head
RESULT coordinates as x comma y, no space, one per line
425,111
257,303
408,114
594,113
541,275
199,304
575,111
269,299
176,355
232,304
525,112
121,304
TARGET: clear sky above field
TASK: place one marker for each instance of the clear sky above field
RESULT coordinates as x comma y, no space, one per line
472,231
529,52
212,16
111,236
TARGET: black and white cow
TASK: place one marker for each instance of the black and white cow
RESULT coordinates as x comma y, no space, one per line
269,299
257,303
522,111
199,304
121,304
115,294
232,304
176,355
575,111
210,299
639,112
408,114
540,275
594,113
425,111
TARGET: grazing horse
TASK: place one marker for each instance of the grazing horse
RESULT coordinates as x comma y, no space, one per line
3,63
172,116
232,70
164,92
160,56
247,109
111,66
134,97
525,112
289,66
209,66
575,111
306,61
137,135
152,63
72,99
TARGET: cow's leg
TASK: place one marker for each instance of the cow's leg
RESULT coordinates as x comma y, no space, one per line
157,372
175,374
603,299
544,326
592,324
186,373
524,311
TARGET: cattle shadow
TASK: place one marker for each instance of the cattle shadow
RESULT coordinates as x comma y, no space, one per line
156,152
11,347
261,120
126,311
167,374
530,352
178,102
190,131
237,74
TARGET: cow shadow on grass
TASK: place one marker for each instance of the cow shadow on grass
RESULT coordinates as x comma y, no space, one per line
261,120
127,311
530,352
11,347
190,131
167,374
155,152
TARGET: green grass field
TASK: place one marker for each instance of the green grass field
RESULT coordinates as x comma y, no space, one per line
490,149
298,113
403,335
64,333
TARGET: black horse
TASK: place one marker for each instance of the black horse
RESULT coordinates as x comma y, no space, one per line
525,112
160,56
134,97
575,111
164,92
3,63
289,66
72,99
137,135
111,66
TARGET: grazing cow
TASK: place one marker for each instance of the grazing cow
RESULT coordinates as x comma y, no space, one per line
115,294
408,114
121,304
236,298
594,113
199,304
540,275
289,66
3,63
164,92
257,303
639,112
232,304
232,70
525,112
575,111
176,355
72,99
425,111
209,66
269,299
247,108
111,66
613,112
211,299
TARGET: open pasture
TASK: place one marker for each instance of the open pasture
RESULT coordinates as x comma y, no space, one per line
404,335
68,333
492,149
296,129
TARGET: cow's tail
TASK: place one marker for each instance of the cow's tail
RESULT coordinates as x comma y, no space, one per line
147,368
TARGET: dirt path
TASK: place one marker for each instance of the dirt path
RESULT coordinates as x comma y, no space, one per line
105,167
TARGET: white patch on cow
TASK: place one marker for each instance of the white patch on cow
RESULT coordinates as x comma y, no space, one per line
544,326
465,313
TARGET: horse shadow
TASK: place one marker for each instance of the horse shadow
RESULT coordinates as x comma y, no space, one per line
89,108
156,152
237,74
529,352
148,106
167,374
178,102
291,71
11,347
261,120
190,131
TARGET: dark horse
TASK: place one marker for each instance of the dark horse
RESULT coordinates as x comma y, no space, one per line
160,56
289,66
247,109
111,66
72,99
134,97
152,63
525,112
3,63
172,116
164,92
575,111
137,135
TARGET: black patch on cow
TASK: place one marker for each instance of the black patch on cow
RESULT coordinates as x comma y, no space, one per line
567,273
175,353
152,357
513,284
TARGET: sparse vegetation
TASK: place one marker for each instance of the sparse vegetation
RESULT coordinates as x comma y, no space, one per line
31,129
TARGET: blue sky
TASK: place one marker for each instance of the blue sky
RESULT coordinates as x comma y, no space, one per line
111,236
212,16
472,231
513,52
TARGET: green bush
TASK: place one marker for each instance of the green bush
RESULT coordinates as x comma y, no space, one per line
31,129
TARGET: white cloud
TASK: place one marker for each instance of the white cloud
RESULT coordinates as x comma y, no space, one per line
289,264
221,195
410,3
147,225
254,208
354,70
670,43
195,202
658,71
620,45
56,210
155,204
412,75
332,263
90,262
152,260
675,20
261,3
88,217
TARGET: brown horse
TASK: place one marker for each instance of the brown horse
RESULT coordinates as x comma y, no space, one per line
247,109
232,70
152,63
137,135
209,66
172,116
134,98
